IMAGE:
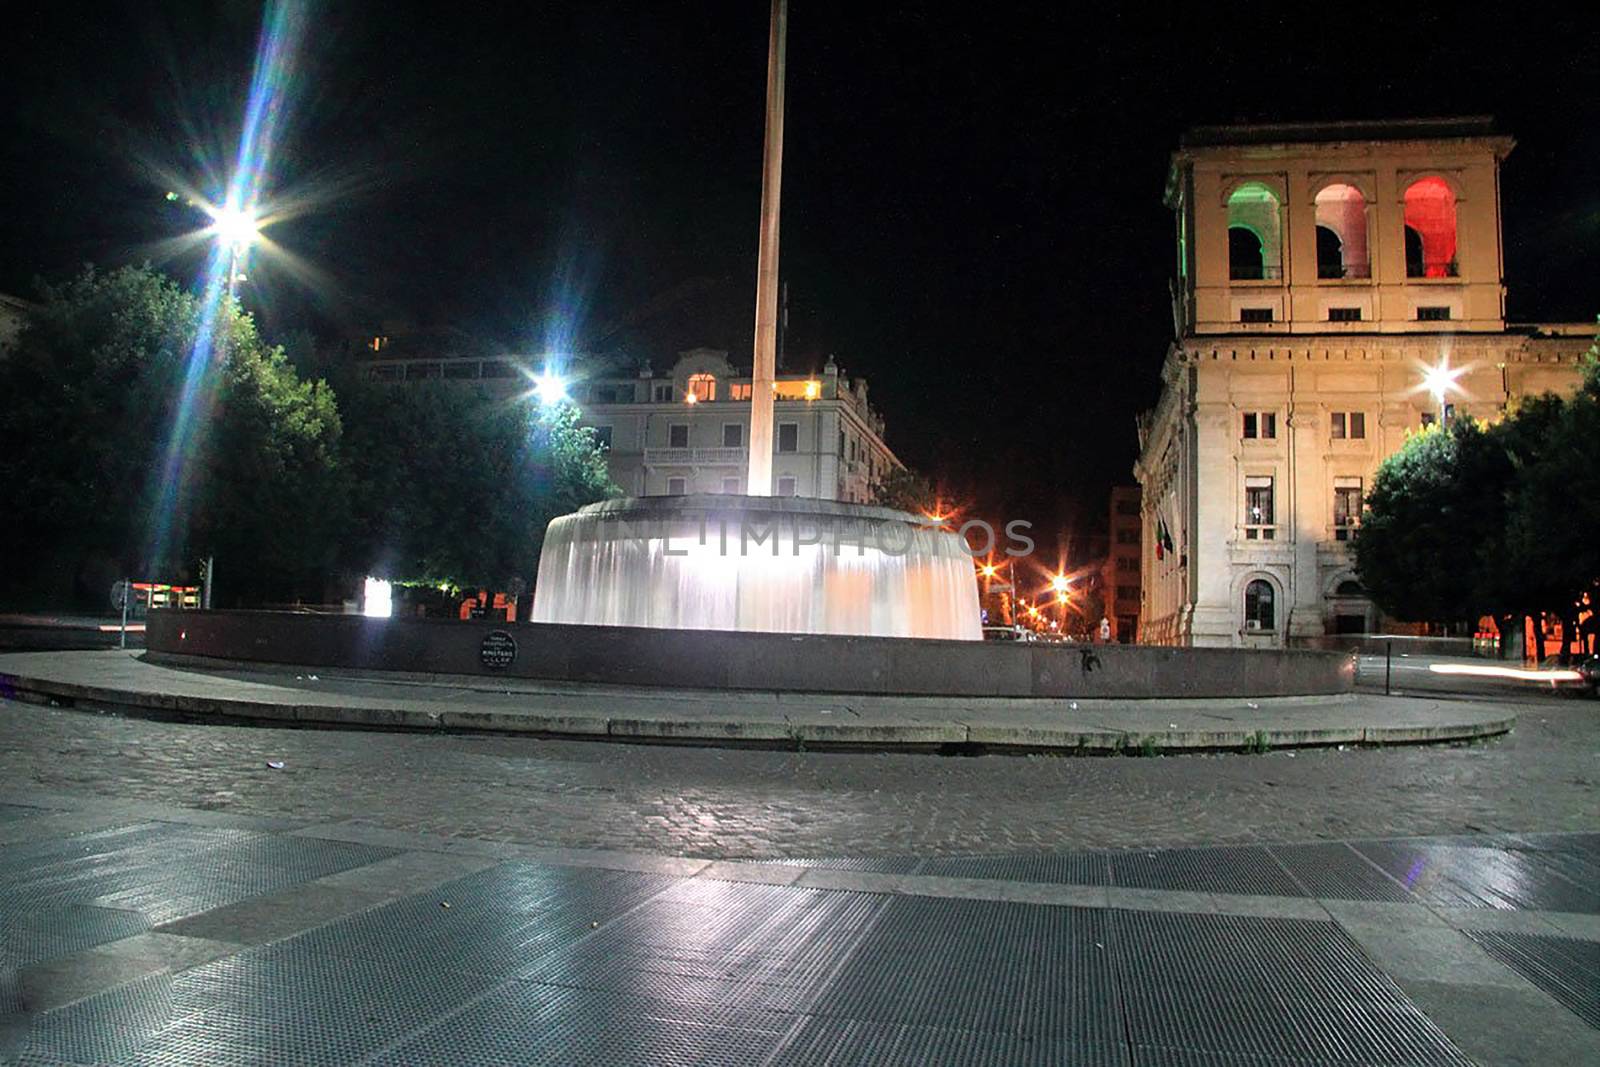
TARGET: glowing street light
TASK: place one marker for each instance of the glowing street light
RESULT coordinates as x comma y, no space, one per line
550,388
235,228
1440,379
1059,583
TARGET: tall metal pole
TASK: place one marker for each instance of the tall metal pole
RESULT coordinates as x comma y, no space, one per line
759,480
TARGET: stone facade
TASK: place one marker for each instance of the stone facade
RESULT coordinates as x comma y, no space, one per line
1322,271
1121,576
828,442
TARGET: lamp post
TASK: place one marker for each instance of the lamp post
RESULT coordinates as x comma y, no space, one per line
1438,380
236,229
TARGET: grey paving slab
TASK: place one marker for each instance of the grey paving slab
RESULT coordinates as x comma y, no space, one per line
108,1027
407,873
259,920
1565,968
1431,954
162,951
1506,1027
1071,868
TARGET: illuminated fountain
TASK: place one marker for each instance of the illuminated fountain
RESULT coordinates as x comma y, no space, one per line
758,563
775,564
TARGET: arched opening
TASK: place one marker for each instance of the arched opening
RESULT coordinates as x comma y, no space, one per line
1413,253
1349,587
1244,254
701,387
1259,613
1255,249
1342,211
1330,254
1431,213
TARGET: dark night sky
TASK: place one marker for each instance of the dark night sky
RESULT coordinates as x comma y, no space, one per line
972,197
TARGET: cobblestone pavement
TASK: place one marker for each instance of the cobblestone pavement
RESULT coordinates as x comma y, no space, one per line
766,804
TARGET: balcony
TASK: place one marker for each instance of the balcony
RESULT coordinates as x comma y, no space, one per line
696,457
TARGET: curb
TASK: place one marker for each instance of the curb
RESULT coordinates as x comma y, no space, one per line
788,733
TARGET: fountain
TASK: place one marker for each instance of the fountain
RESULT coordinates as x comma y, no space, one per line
758,563
773,564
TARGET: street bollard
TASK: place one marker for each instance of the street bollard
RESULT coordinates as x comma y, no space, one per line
1388,659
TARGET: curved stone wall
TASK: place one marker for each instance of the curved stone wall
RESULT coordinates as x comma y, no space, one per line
712,659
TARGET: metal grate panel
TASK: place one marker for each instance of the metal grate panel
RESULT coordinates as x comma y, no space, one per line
107,1027
1248,870
719,942
1288,988
527,1023
980,965
1070,868
837,1043
1566,968
1337,872
1456,876
36,935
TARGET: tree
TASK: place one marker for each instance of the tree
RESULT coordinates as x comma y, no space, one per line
451,483
1497,520
904,489
1419,546
92,399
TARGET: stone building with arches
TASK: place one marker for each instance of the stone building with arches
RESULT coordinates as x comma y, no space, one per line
1321,271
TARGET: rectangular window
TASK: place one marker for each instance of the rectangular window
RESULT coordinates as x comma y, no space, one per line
1127,592
602,437
677,486
663,392
603,394
1127,537
1351,425
1346,507
678,435
732,435
1433,314
1260,425
1258,520
786,486
1255,314
499,368
1344,314
788,437
739,391
841,444
1127,563
730,485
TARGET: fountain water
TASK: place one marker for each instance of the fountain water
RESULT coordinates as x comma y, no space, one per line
774,564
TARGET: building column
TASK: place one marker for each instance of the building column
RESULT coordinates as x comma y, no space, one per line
1214,620
1308,505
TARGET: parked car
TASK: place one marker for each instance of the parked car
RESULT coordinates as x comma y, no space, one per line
1007,633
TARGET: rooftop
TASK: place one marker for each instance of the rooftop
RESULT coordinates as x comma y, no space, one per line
1268,133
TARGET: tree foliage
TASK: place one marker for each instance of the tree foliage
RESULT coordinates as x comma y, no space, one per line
453,483
1500,520
905,490
92,391
292,495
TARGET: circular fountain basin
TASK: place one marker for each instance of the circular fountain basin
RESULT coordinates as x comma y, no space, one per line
766,564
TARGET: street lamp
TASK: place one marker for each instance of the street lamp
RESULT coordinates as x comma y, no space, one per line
550,388
1438,380
236,229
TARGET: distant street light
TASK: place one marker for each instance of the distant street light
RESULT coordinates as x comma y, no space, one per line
1059,583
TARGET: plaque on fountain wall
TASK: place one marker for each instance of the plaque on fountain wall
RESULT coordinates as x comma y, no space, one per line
498,651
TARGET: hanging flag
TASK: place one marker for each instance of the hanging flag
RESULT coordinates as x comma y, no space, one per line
1163,537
